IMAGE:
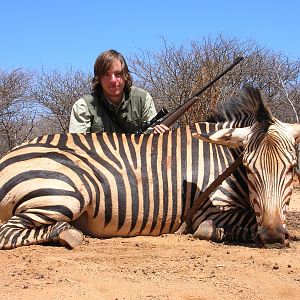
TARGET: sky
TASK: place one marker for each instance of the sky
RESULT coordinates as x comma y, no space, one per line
55,34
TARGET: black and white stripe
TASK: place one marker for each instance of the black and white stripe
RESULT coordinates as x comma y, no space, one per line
107,185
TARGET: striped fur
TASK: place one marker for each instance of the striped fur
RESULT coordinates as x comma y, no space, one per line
106,185
269,158
110,184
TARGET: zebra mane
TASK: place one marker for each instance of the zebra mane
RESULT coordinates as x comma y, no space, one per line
245,107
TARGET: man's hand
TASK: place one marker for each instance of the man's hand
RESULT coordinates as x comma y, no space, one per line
160,128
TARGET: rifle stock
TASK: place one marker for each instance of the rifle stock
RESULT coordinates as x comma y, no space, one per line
174,116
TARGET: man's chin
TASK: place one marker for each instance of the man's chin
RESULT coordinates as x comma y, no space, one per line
115,92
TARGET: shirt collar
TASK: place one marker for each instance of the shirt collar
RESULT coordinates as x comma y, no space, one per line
114,106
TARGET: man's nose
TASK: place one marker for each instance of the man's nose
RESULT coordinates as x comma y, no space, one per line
113,77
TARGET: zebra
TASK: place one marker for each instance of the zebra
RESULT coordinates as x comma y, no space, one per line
58,188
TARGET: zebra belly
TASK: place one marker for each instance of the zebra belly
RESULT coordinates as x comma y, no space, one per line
149,217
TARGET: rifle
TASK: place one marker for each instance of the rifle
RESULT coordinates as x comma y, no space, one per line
169,120
155,120
174,116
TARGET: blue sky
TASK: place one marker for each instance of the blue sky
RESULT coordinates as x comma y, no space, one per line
58,33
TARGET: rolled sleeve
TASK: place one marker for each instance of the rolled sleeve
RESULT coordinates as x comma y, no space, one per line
80,119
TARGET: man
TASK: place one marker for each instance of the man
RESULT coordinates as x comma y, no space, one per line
114,105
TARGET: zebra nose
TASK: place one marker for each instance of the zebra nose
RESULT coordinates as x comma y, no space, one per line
272,235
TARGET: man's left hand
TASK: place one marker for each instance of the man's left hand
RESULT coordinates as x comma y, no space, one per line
160,128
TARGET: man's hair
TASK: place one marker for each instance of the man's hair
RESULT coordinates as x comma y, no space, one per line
104,62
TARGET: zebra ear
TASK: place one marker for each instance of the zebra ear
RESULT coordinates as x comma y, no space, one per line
294,130
230,137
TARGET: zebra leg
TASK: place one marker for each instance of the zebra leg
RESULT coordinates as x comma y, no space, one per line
207,230
238,233
20,230
229,226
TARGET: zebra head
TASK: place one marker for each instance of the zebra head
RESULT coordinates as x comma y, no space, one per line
269,157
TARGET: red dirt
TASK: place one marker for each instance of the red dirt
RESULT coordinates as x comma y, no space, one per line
166,267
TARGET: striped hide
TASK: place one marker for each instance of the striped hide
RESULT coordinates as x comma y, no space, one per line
269,158
57,188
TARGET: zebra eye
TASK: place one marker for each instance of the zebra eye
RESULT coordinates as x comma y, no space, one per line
291,168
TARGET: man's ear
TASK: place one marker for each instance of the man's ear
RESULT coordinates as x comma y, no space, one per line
230,137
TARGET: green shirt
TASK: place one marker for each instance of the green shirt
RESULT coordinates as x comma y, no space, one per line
94,113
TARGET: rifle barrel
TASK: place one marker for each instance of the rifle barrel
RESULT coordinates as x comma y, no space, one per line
174,116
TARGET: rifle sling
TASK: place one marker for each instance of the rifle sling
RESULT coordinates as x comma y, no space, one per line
203,196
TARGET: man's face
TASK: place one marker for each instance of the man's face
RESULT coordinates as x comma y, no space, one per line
113,83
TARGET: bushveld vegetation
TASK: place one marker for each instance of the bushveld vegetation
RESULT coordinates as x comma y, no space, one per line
38,102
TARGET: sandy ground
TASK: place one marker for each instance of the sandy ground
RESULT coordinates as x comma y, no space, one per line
166,267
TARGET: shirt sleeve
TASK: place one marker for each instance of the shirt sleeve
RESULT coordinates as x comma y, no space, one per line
149,110
80,119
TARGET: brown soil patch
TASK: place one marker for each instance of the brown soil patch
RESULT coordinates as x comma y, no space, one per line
167,267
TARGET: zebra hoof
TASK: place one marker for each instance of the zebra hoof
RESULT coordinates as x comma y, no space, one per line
70,238
184,229
208,231
205,230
